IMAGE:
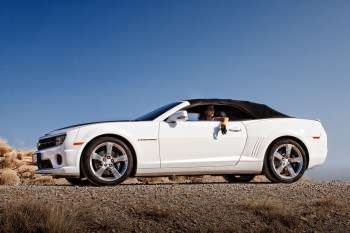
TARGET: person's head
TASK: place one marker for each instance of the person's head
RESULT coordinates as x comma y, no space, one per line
209,112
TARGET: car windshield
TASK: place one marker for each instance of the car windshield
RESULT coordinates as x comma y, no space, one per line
156,113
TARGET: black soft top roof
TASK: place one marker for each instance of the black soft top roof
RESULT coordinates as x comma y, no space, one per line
258,111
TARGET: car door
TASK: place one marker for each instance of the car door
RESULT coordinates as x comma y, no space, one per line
200,144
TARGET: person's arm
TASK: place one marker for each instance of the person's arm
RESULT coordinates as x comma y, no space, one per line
223,123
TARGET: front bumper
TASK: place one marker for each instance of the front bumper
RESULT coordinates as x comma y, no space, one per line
58,161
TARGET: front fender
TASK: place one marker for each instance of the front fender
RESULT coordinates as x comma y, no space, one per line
87,136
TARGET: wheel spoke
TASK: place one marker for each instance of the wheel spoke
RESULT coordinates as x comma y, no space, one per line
291,170
115,172
296,160
277,155
289,149
109,148
121,158
97,156
280,168
101,170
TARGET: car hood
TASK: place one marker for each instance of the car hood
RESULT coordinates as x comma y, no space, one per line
76,126
90,123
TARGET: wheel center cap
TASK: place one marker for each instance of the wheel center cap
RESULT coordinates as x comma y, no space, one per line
285,162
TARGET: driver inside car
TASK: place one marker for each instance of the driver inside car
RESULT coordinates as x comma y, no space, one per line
209,115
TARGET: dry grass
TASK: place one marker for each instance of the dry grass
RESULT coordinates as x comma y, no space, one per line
33,217
9,177
42,180
326,202
273,213
155,213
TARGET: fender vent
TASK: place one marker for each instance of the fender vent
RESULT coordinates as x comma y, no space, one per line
256,147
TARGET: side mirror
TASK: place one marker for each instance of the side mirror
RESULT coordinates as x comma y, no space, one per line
178,116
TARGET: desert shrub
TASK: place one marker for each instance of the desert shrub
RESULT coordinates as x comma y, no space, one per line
26,168
9,177
4,148
27,174
24,154
17,167
9,160
19,155
33,217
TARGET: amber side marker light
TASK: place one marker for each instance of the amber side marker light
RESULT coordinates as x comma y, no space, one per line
316,137
78,143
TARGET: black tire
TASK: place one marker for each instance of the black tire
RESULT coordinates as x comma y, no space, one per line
268,168
78,181
87,169
239,178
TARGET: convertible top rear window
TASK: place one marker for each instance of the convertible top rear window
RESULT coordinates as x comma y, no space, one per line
156,113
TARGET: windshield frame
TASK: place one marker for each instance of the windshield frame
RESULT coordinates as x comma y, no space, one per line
152,115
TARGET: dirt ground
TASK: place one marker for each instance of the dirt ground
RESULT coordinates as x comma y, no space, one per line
203,207
37,204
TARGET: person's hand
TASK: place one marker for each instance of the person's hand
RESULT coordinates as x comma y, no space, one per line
223,129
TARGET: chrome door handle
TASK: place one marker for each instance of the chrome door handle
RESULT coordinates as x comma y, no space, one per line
235,130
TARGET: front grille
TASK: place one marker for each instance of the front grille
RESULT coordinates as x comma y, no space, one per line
43,164
46,143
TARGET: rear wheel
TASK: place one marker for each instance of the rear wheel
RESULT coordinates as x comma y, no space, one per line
239,178
286,162
107,161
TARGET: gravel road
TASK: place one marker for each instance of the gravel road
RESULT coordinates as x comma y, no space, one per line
212,207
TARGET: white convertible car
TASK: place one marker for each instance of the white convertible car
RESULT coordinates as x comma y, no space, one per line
175,140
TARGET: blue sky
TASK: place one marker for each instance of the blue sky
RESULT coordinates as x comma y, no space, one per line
63,63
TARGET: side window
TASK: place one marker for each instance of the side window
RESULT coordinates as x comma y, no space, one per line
192,116
195,113
233,113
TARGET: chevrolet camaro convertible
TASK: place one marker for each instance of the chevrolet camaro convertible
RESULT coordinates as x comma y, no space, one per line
175,140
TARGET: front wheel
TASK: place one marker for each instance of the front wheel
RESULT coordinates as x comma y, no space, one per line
239,178
286,162
107,161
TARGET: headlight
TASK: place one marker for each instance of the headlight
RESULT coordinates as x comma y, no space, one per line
51,141
60,139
